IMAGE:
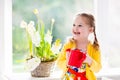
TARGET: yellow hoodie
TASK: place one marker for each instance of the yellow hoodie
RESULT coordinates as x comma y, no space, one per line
91,51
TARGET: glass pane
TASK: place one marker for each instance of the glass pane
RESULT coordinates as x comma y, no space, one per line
61,10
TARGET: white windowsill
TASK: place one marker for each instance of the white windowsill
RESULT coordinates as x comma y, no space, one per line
111,72
27,76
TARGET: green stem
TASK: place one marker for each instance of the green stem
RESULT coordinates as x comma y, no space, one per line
30,44
51,28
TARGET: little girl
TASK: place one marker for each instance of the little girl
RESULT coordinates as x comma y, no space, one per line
79,45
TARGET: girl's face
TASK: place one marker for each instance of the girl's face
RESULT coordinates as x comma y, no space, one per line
81,29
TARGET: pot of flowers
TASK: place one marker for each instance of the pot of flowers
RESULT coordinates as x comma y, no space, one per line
42,50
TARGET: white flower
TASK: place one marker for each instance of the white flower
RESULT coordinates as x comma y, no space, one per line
23,24
36,39
53,20
34,35
56,48
31,64
31,23
48,37
30,28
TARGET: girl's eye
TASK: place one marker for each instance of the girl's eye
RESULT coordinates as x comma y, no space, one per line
73,24
80,25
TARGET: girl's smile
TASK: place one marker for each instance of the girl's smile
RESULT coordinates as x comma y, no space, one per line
76,33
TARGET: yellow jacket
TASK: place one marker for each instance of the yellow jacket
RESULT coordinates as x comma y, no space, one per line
91,51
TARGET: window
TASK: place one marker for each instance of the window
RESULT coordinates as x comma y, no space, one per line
106,11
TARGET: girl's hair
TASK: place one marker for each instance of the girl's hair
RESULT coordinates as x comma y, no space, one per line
91,21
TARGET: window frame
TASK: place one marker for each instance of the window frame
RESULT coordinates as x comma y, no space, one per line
7,37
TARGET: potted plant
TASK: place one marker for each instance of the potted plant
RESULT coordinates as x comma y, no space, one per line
42,51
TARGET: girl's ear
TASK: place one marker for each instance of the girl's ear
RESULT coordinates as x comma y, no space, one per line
91,29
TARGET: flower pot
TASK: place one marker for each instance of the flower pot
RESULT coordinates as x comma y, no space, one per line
43,70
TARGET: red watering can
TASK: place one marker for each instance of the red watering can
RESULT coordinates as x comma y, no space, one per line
76,57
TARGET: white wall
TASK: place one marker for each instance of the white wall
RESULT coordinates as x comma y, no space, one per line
108,30
5,37
102,14
1,36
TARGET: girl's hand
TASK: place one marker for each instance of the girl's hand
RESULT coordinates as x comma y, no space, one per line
88,60
67,57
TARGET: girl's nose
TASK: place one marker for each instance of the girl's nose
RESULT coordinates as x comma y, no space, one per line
76,27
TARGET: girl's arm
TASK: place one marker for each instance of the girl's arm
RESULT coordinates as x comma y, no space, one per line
96,61
61,61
